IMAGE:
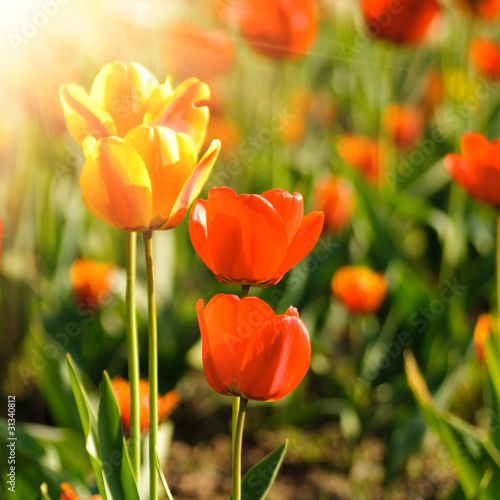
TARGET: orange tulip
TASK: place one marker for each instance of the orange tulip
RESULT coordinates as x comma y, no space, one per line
359,288
477,170
434,92
68,493
252,239
190,51
482,332
278,28
335,198
488,10
145,181
121,390
90,282
363,154
404,125
403,22
124,96
486,57
251,352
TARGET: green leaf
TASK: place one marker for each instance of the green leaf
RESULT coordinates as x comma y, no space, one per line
259,479
116,466
89,424
44,493
162,477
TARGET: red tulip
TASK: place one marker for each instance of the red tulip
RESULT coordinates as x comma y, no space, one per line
359,288
486,57
488,10
121,389
251,352
403,22
189,51
404,125
278,28
334,197
477,170
252,239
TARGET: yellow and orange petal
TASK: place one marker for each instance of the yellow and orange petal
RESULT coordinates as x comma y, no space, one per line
90,282
404,125
482,332
250,351
166,403
68,493
252,239
359,288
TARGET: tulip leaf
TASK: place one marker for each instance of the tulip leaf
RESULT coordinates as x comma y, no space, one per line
259,479
44,493
89,424
162,477
116,466
476,460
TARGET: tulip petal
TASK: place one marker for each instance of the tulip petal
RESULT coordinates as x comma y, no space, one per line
182,112
239,231
289,206
198,232
123,91
83,116
115,185
193,185
476,148
303,242
276,359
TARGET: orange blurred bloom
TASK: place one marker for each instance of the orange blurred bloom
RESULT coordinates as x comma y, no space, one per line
124,96
482,332
405,21
226,130
477,170
334,196
293,130
404,125
90,281
190,51
485,55
434,93
252,239
68,493
145,181
359,288
488,10
279,28
362,153
166,403
251,352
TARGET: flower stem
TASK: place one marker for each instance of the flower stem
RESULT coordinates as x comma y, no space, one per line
152,366
133,358
237,445
244,291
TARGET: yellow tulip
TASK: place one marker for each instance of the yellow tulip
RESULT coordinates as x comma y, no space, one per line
145,181
124,96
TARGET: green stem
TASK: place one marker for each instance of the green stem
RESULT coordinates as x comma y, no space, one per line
240,422
244,291
498,273
152,366
133,358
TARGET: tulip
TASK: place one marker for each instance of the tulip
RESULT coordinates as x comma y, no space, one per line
487,10
190,51
360,289
404,125
482,332
278,28
145,181
403,22
364,154
486,57
124,96
334,197
251,352
121,390
68,493
477,170
252,239
90,281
